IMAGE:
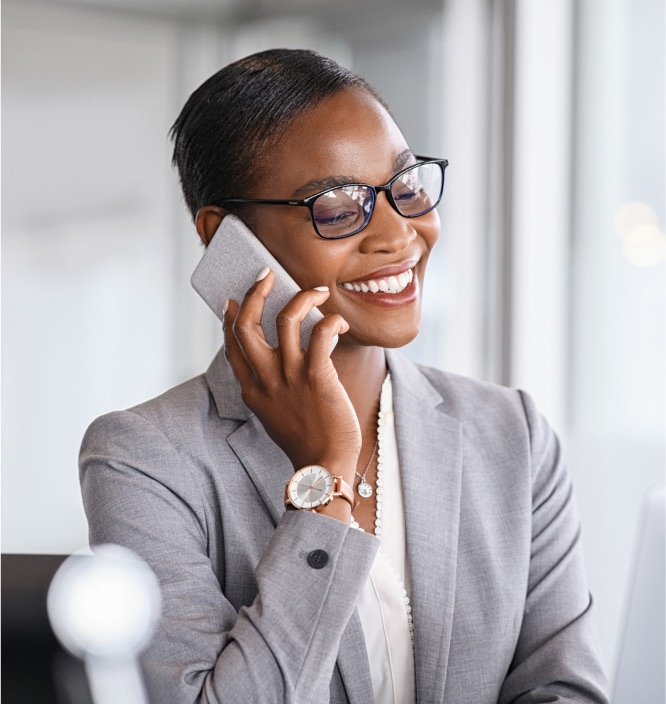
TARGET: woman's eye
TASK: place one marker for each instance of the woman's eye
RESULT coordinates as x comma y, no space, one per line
408,195
335,217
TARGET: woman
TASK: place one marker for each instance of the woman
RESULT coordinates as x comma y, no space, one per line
478,593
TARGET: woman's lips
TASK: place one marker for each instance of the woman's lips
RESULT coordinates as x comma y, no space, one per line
387,271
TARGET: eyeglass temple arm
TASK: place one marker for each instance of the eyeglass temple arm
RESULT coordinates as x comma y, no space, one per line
262,201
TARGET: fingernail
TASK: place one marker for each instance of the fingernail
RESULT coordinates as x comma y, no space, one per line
262,274
225,307
320,288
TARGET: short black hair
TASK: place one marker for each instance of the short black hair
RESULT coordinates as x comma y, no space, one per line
228,122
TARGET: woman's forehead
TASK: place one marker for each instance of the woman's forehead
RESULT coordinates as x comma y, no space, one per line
349,135
321,184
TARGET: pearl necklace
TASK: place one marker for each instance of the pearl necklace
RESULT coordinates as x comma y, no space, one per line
379,496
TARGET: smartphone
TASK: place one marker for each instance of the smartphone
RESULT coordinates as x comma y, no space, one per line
230,265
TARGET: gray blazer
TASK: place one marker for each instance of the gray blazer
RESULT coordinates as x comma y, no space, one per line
192,483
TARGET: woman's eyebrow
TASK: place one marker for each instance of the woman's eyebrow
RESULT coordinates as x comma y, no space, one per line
317,185
402,159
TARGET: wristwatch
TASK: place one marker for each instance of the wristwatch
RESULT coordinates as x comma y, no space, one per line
313,487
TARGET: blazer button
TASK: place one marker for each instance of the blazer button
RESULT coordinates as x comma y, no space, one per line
318,559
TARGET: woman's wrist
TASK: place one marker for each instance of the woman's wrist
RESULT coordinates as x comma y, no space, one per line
339,466
339,509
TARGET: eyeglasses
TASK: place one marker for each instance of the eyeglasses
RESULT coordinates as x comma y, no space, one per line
343,211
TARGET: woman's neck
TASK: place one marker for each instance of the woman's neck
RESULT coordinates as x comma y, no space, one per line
362,371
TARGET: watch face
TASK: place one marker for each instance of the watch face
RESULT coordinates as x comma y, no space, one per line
311,487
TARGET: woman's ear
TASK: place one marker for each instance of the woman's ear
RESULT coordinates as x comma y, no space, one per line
207,221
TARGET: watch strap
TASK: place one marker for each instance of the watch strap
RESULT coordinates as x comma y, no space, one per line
341,488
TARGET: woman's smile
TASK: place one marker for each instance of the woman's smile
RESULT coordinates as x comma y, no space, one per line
390,286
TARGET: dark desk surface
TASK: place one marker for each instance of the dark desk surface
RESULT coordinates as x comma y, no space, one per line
35,668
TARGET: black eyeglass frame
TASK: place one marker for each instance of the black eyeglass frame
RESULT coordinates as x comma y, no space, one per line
309,201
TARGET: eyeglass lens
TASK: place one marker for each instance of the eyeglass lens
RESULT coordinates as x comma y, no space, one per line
347,209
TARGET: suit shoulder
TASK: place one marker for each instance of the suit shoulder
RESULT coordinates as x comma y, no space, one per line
172,415
465,391
484,404
192,397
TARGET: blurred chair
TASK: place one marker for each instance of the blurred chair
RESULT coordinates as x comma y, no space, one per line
35,668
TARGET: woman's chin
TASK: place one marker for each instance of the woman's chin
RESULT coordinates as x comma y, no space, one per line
395,341
386,337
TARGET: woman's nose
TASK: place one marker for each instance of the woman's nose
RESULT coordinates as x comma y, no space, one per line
387,231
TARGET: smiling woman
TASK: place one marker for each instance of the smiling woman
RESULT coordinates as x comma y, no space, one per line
342,525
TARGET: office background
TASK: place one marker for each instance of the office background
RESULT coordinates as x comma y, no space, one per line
549,275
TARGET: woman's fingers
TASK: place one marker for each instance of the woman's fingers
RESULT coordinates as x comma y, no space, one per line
232,350
247,322
288,323
244,341
321,341
253,361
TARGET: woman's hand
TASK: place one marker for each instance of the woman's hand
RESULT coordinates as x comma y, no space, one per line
296,394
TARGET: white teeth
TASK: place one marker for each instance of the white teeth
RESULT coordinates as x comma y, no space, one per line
391,284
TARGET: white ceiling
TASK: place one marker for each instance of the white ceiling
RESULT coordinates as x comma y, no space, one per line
181,8
223,9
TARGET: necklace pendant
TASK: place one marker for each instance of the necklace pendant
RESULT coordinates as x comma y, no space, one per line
364,489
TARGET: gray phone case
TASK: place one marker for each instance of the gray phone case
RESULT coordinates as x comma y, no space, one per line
231,264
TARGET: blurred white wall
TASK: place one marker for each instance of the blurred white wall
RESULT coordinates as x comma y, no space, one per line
541,203
617,350
87,248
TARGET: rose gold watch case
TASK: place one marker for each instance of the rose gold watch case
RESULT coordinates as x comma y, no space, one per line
337,487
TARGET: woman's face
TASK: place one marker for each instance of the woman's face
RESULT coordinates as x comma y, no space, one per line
348,136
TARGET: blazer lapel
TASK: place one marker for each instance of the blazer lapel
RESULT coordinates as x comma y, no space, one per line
430,454
268,467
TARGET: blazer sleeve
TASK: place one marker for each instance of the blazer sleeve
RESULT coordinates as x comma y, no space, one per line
557,658
140,492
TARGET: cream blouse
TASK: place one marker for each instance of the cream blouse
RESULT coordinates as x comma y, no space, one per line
383,604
